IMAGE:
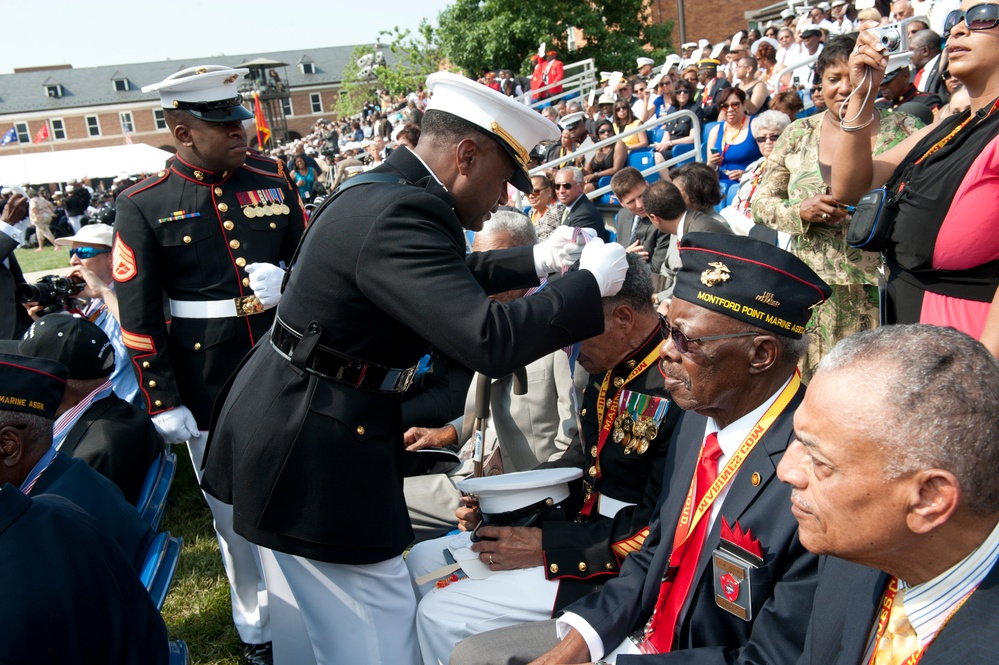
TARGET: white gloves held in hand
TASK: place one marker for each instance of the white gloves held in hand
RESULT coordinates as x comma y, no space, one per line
560,249
265,280
176,425
608,262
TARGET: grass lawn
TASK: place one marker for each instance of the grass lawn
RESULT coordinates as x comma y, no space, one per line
32,261
197,608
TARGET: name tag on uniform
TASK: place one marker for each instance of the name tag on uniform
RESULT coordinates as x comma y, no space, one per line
733,563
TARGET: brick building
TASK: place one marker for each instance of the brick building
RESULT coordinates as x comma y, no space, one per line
94,107
713,20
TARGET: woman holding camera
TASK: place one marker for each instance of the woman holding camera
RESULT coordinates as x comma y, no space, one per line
793,197
941,185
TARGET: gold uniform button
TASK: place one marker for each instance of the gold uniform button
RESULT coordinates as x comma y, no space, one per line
618,381
360,430
240,261
161,174
592,471
631,364
152,384
246,281
234,244
199,175
197,346
273,225
582,566
218,191
593,451
553,568
187,239
582,412
145,365
609,566
229,226
223,207
756,479
158,403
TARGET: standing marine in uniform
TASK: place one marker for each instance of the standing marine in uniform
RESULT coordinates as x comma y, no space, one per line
309,438
213,231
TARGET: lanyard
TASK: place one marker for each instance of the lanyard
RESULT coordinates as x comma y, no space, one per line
945,140
689,522
725,142
886,603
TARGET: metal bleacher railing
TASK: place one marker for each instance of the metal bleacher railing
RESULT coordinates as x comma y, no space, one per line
574,83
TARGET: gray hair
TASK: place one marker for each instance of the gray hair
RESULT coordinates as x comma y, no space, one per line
770,121
636,291
516,224
37,430
577,173
937,402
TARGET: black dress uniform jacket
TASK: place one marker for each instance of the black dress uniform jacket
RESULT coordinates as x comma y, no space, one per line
312,466
847,605
782,588
184,232
14,319
118,440
69,596
583,555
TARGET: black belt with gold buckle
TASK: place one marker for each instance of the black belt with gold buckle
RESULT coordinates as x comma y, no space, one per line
335,366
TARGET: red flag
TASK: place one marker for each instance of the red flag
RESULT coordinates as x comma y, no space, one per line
43,133
263,130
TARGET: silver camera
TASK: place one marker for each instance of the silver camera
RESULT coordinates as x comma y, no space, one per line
893,37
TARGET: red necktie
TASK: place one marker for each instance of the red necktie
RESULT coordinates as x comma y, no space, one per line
673,593
919,77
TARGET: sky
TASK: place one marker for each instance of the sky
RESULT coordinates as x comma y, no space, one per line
100,33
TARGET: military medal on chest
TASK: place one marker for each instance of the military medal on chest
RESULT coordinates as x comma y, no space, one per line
263,203
638,423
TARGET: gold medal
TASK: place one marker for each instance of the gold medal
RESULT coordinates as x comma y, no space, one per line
625,421
618,436
285,210
651,431
250,211
268,210
643,446
638,429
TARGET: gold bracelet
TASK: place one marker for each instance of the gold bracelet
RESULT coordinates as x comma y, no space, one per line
858,127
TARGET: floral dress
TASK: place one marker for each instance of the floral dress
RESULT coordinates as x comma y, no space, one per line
790,175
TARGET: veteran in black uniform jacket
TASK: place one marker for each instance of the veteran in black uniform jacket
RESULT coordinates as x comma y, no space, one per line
622,480
209,237
382,275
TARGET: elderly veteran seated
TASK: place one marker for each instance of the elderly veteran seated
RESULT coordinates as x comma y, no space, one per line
721,577
93,424
523,430
627,420
893,478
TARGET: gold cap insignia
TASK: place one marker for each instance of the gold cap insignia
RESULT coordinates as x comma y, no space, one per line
718,274
767,298
230,79
201,70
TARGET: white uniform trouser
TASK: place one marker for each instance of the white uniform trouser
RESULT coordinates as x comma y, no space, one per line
447,615
336,614
241,561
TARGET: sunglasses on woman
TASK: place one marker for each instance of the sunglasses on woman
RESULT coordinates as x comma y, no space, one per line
605,131
682,342
733,105
87,252
980,17
767,137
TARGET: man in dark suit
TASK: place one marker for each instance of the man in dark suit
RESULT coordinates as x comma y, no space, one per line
579,209
711,85
893,477
117,439
730,361
382,275
669,214
14,319
926,51
635,230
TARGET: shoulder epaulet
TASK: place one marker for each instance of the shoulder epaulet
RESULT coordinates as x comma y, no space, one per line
149,182
263,164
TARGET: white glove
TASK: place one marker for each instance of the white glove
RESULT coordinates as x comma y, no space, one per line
559,249
608,263
176,425
265,280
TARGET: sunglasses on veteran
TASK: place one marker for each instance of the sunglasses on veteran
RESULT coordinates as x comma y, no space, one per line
682,342
767,137
87,252
980,17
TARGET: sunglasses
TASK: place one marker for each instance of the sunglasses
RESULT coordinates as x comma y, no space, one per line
768,137
733,105
605,131
980,17
87,252
564,185
682,342
639,89
535,192
683,92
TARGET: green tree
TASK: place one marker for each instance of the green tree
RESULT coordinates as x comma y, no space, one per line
411,59
354,88
480,35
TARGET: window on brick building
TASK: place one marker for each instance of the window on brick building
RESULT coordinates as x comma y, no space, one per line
93,126
126,122
316,100
58,129
159,118
286,106
23,135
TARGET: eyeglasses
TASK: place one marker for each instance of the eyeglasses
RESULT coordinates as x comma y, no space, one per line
682,342
980,17
605,131
768,137
621,108
733,105
87,252
639,89
535,192
564,185
945,75
683,92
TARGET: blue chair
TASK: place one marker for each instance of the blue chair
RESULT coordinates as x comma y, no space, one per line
159,566
683,149
152,500
704,137
607,199
733,190
656,134
178,653
642,159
